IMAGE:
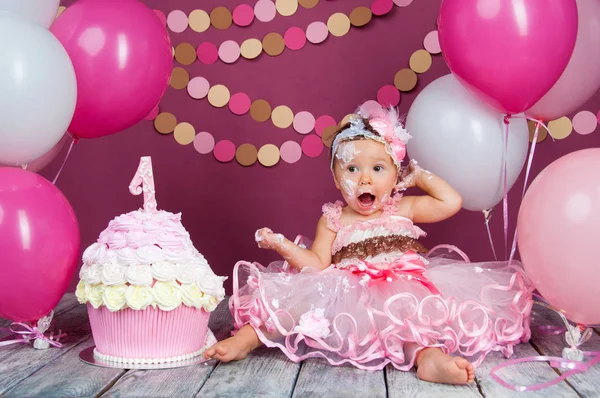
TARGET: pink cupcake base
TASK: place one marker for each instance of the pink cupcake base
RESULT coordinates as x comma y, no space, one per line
152,334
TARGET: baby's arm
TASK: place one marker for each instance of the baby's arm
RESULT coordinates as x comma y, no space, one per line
319,256
441,202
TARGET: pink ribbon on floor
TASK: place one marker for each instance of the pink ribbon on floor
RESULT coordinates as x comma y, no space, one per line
574,366
28,333
556,362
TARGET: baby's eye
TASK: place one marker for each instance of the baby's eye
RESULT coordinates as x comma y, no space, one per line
378,168
352,169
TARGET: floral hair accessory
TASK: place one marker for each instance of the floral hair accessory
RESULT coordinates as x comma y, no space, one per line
385,122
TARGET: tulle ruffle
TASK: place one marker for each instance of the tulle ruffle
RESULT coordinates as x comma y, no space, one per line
345,317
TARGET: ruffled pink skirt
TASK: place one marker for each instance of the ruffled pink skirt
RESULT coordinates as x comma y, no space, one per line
342,316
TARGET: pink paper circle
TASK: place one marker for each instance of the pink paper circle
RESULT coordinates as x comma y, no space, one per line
402,3
290,152
265,10
381,7
229,51
388,95
204,142
243,15
153,114
312,146
304,122
322,123
432,42
371,106
161,15
317,32
585,122
224,151
294,38
198,87
177,21
207,53
239,103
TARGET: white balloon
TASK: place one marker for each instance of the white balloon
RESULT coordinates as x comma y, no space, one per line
38,91
461,139
40,12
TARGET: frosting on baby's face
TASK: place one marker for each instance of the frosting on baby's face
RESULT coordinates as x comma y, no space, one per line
365,175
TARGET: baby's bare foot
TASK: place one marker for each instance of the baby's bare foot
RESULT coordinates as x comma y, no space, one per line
234,348
435,366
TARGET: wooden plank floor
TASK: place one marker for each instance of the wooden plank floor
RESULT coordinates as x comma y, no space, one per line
25,371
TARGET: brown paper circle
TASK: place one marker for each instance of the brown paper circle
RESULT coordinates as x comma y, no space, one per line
327,135
165,123
308,3
273,44
347,118
360,16
60,10
251,48
221,18
218,95
282,116
199,21
184,133
260,110
420,61
179,78
560,128
338,24
542,133
268,155
185,53
286,8
246,154
405,79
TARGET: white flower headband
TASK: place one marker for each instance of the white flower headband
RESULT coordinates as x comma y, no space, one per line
386,123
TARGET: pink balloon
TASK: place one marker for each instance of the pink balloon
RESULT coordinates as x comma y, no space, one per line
581,78
39,245
558,229
123,60
508,52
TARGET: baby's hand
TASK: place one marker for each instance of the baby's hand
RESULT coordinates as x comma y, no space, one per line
266,239
408,178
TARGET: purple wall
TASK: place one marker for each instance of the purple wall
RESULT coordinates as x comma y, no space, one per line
224,204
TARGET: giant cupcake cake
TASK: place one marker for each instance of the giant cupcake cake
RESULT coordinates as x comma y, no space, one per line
148,291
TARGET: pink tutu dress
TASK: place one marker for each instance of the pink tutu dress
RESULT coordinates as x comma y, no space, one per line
382,300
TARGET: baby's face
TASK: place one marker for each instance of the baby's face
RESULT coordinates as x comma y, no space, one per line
365,174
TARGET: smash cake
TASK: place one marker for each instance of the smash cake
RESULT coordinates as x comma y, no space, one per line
149,292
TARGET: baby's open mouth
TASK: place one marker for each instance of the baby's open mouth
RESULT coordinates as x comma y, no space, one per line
366,199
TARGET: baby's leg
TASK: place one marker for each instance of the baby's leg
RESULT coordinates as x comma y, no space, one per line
236,347
433,365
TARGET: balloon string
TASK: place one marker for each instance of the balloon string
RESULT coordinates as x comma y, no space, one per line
487,214
74,141
527,171
505,187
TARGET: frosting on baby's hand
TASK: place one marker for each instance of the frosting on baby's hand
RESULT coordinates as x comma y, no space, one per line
267,239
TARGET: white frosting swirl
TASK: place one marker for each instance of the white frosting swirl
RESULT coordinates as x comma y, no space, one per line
139,275
185,273
126,256
95,296
164,271
139,297
92,274
114,297
149,254
112,274
167,295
